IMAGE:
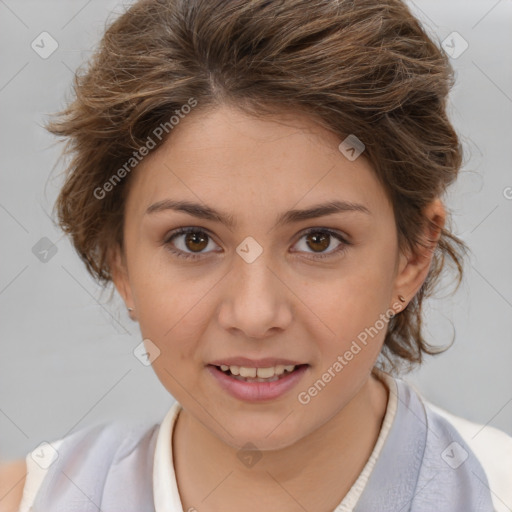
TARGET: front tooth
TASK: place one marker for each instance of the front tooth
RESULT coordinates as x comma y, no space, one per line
247,372
265,373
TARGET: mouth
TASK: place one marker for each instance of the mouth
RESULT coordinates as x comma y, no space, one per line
252,384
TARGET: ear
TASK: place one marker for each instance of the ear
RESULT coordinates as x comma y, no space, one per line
414,266
120,278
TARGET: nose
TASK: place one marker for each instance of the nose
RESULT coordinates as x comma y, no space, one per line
255,301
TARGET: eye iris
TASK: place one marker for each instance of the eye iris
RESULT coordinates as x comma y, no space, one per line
196,238
319,238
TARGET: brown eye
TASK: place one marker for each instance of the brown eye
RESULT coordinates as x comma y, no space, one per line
188,242
319,240
196,241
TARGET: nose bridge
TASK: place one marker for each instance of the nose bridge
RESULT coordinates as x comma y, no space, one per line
256,300
253,281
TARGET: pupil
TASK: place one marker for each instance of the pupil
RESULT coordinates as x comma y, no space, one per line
324,237
195,238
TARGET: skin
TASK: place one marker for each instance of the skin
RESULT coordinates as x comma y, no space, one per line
12,481
285,303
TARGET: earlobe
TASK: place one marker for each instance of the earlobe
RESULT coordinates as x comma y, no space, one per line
414,266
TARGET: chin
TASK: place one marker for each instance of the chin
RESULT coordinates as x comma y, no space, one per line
271,434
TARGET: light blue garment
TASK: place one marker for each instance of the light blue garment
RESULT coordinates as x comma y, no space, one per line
418,469
424,466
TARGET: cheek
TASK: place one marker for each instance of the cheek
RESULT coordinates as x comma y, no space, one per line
353,304
174,318
170,313
348,350
173,310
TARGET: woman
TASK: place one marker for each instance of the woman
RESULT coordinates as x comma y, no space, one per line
263,184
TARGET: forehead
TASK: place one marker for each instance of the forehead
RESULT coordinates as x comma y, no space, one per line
227,157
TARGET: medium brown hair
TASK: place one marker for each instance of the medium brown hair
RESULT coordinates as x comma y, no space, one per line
362,67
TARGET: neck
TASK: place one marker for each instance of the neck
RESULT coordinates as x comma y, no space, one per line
323,461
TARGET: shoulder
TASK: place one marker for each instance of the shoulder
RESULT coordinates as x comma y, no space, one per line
491,447
90,457
468,455
12,482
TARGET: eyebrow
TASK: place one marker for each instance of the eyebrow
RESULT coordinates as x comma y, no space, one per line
205,212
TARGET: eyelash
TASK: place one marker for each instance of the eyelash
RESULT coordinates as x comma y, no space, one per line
181,254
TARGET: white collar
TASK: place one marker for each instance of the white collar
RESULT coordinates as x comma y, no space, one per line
165,487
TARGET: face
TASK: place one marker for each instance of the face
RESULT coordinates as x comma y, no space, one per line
250,279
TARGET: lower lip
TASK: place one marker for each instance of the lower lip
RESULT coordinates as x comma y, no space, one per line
257,391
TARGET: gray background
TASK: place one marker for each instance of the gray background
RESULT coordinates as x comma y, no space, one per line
66,350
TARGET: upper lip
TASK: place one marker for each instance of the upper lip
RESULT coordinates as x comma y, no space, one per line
266,362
